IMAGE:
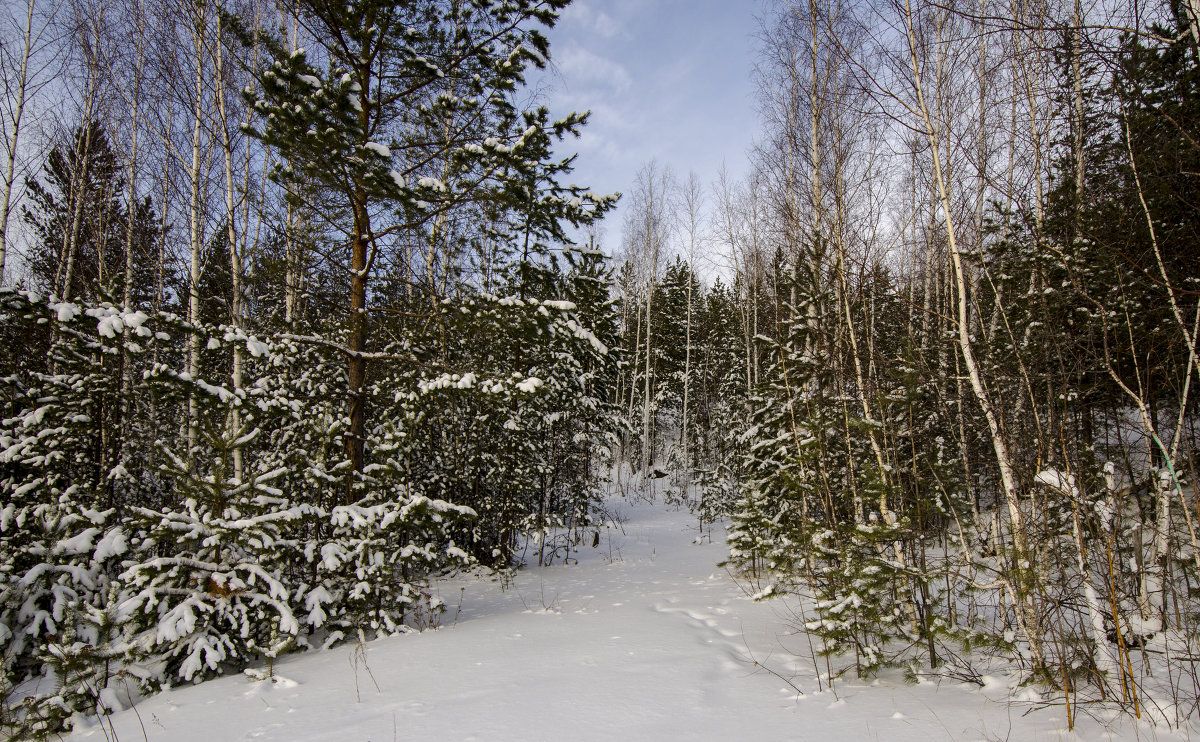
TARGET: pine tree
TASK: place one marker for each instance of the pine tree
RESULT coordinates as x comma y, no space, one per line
431,81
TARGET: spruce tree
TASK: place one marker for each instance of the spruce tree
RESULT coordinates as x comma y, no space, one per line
80,222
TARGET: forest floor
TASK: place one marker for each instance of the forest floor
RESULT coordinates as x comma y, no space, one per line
644,638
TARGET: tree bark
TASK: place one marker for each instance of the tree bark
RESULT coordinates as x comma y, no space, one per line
10,170
999,445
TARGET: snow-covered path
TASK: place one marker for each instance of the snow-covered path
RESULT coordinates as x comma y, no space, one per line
644,639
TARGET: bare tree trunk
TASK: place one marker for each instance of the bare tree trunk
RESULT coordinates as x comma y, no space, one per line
295,259
999,445
693,196
10,170
1030,70
357,362
160,262
1077,99
1192,9
1168,483
637,345
741,267
131,217
195,227
220,82
360,269
79,177
652,262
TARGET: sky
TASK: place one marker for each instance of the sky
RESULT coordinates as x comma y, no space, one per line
664,79
669,80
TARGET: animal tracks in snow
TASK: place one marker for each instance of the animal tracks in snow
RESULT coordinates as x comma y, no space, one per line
699,619
658,644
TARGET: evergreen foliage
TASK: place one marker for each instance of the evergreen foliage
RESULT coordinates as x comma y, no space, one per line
373,412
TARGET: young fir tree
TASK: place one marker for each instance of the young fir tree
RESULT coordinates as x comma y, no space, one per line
205,588
512,439
61,535
785,493
721,402
81,224
589,288
670,322
809,517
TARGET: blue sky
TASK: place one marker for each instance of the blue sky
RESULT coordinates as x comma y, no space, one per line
664,79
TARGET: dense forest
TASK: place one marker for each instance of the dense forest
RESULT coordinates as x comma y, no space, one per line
943,387
300,310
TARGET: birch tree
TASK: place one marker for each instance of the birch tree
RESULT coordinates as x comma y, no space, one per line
27,69
647,228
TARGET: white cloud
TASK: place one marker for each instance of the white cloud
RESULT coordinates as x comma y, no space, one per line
587,16
582,68
664,79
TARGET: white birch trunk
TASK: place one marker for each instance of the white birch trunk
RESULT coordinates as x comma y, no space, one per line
10,169
235,249
652,262
999,446
195,235
692,196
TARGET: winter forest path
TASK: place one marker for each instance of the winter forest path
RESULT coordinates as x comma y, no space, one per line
644,639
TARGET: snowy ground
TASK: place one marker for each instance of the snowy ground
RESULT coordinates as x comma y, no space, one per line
644,639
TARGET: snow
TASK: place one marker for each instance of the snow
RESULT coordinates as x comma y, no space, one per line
1057,480
256,347
114,543
380,149
432,184
530,385
645,638
79,544
66,310
110,326
314,601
